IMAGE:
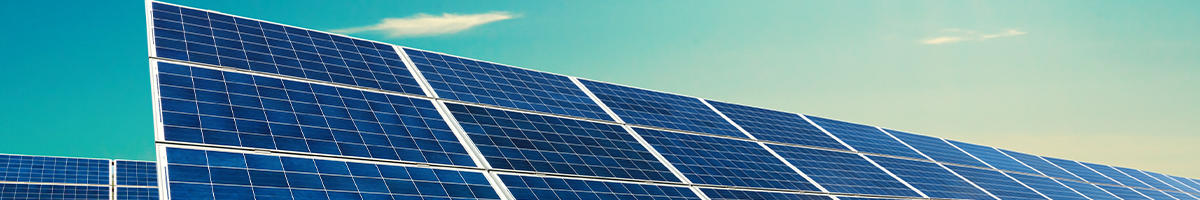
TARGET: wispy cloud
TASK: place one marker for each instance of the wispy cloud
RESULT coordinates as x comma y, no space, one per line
426,25
954,35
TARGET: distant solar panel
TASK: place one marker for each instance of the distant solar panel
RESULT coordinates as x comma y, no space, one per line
1154,194
1115,175
38,192
720,161
721,194
1192,186
130,193
514,140
217,39
776,126
226,175
225,108
1172,182
1042,166
546,188
1123,192
843,172
931,179
936,148
468,80
1089,190
996,183
865,138
1180,195
993,157
1047,187
136,173
17,168
1151,181
1081,171
650,108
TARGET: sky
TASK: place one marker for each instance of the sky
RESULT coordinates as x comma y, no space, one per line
1112,82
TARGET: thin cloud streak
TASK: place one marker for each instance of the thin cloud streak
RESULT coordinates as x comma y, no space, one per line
426,25
954,35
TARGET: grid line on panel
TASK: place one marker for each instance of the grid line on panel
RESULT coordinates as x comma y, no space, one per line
18,168
931,179
843,172
1089,190
720,161
547,188
225,108
213,38
1047,186
997,183
777,126
1115,175
1154,194
726,194
1170,181
1044,167
1191,185
520,141
133,193
136,173
1151,181
1180,195
39,191
650,108
936,148
1081,171
993,157
1123,192
864,138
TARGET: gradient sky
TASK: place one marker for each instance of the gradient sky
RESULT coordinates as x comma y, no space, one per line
1105,82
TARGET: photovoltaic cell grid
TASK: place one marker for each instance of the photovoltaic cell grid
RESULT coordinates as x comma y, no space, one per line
136,173
40,192
224,108
1137,174
1154,194
996,183
1089,190
486,83
128,193
930,179
16,168
1180,195
1172,182
720,161
720,194
545,188
1123,192
1116,175
198,174
514,140
843,172
993,157
650,108
217,39
1081,171
1047,187
936,148
1191,184
865,138
776,126
1047,168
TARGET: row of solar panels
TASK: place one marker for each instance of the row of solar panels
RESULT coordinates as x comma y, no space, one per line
236,85
42,177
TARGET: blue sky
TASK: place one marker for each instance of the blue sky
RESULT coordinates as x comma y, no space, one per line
1103,82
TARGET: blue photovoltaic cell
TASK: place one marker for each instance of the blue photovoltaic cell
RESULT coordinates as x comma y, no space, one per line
865,138
197,174
650,108
1047,187
544,188
1172,182
1154,194
931,179
224,108
128,193
1137,174
1089,190
1192,186
1123,192
720,161
843,172
17,168
39,192
514,140
993,157
1041,165
486,83
1081,171
218,39
1180,195
996,183
720,194
137,173
776,126
1116,175
936,148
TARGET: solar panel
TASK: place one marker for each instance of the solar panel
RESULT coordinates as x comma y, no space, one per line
843,172
39,192
1089,190
207,106
720,161
136,173
520,141
931,179
1180,195
865,138
993,157
17,168
227,175
996,183
468,80
1192,186
1047,186
1123,192
1172,182
936,148
1115,175
132,193
212,38
1151,181
1043,166
650,108
547,188
1081,171
1154,194
776,126
721,194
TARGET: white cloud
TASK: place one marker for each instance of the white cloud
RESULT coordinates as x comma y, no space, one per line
954,35
426,25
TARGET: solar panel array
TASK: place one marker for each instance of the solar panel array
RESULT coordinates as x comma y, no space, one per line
46,177
249,109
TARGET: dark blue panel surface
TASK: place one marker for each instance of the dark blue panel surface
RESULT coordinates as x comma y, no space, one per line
1116,175
776,126
843,172
650,108
996,183
486,83
514,140
931,179
720,161
1081,171
218,39
865,138
936,148
993,157
225,108
1047,186
137,173
1046,168
719,194
1137,174
1123,192
38,192
128,193
197,174
543,188
1154,194
17,168
1089,190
